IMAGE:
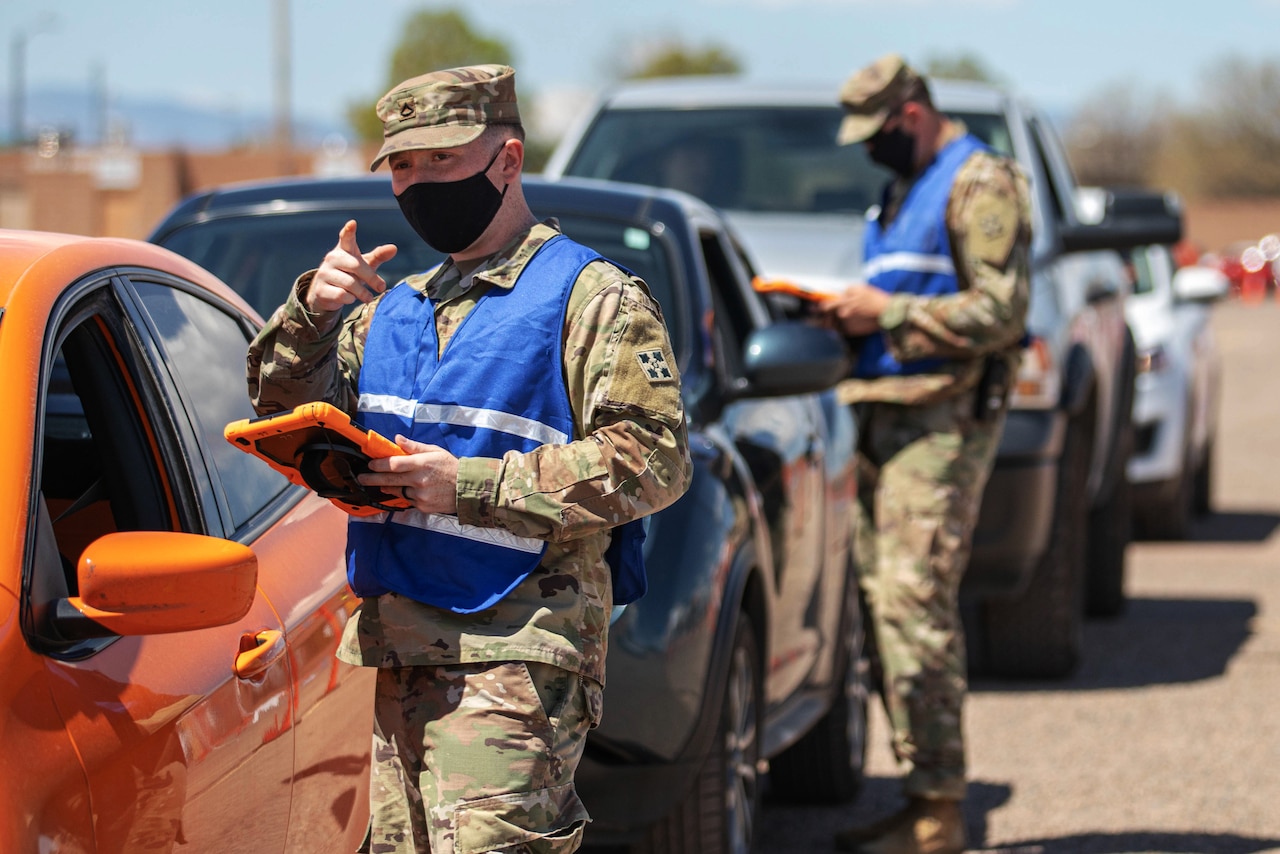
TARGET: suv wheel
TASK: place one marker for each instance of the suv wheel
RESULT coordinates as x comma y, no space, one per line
1171,519
826,765
720,814
1036,634
1110,531
1203,500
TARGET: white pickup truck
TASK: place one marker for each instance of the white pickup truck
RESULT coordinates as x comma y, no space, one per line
1055,520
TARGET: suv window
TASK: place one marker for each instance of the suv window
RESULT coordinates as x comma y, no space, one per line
645,254
1147,266
991,128
751,158
260,255
776,159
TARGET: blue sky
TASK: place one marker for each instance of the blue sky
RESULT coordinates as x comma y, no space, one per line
219,55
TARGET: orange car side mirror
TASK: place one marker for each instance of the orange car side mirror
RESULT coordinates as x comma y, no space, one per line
155,582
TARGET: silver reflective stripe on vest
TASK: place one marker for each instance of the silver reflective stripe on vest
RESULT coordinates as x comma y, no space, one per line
450,526
908,262
463,416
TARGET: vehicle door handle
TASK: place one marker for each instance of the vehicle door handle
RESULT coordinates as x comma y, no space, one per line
258,652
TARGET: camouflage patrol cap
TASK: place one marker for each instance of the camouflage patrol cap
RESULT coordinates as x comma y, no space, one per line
872,93
446,108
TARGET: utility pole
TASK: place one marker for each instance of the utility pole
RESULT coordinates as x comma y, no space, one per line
18,62
283,83
18,73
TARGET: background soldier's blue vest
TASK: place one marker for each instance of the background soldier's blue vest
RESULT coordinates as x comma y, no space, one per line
499,387
913,255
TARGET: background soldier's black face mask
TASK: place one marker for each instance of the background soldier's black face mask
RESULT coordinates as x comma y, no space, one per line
895,149
451,215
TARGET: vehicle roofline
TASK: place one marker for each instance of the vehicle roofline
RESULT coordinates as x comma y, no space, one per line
734,91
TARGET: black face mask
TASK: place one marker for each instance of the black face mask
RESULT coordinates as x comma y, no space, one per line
895,149
451,215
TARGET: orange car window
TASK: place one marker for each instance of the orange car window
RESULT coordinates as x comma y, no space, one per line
99,468
204,350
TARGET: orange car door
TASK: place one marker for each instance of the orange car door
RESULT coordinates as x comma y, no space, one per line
185,738
300,543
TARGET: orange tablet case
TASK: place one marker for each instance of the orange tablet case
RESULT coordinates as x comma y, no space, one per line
791,288
317,446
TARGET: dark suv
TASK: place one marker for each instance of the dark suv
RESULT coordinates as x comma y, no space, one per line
747,648
1051,539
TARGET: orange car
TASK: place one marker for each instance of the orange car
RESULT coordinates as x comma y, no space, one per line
169,606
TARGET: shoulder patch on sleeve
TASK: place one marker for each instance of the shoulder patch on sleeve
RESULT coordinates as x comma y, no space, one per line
654,365
993,228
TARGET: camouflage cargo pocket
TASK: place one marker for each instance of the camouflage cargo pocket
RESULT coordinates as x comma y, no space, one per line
547,821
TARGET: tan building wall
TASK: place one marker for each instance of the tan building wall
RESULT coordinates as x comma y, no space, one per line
1212,224
125,193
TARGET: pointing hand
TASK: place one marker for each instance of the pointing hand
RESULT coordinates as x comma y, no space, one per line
347,274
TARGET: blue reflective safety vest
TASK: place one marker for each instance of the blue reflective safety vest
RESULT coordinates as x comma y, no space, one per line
913,255
499,387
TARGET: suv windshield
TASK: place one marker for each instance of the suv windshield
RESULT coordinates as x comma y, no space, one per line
261,254
774,159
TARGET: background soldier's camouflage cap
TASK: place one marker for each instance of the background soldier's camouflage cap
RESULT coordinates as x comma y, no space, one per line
872,93
446,108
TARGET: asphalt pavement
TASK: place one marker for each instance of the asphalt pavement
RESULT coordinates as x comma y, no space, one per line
1167,738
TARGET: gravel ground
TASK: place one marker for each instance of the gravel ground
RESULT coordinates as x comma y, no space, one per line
1166,740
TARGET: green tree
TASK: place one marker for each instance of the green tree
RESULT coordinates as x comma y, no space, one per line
673,58
1113,139
1226,144
959,66
1236,143
431,39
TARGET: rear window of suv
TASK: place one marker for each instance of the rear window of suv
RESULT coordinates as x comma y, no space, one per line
261,254
766,159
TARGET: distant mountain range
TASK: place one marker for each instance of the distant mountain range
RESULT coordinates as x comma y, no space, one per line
156,124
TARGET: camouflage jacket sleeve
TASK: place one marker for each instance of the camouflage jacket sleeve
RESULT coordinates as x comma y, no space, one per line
292,360
989,227
632,456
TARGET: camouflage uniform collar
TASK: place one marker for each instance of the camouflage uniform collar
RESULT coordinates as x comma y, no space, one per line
500,269
505,266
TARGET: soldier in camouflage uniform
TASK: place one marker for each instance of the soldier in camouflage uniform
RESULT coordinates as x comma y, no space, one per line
937,327
481,710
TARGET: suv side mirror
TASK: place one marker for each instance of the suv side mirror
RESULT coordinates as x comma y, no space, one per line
1114,218
793,357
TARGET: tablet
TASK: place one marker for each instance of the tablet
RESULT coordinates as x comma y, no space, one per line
790,287
318,446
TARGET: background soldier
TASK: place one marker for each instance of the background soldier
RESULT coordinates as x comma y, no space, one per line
938,325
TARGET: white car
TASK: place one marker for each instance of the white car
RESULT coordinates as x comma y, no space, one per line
1175,407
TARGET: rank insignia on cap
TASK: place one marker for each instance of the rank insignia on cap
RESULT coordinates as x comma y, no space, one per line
655,366
406,109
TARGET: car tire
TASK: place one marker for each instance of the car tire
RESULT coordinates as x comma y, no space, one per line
1171,519
1202,500
826,765
1036,634
721,812
1109,535
1110,532
1110,527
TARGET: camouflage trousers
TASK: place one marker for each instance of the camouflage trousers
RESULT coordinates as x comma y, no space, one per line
921,472
473,758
